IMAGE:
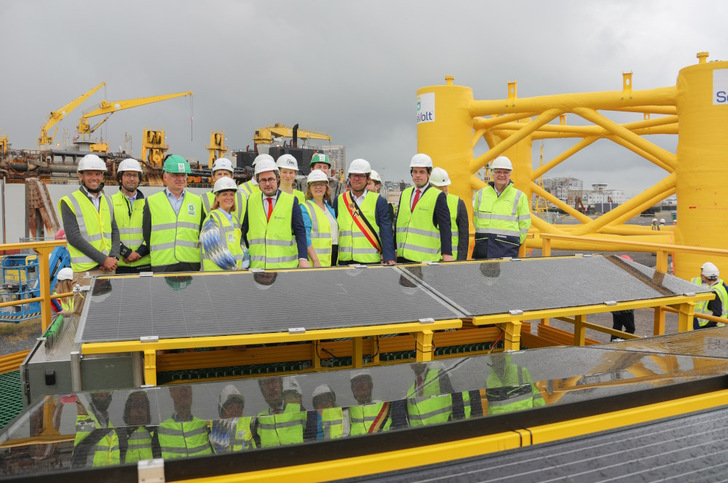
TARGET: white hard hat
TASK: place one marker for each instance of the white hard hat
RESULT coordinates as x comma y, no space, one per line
264,165
710,270
420,160
91,162
129,164
230,392
223,163
65,274
261,157
291,384
375,176
316,175
662,221
360,166
439,177
323,389
502,162
224,184
361,373
287,161
654,220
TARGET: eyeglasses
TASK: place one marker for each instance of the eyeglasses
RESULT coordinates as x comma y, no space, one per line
501,171
357,175
267,180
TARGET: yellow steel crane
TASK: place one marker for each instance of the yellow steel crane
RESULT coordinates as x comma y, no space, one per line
267,135
109,108
217,146
57,116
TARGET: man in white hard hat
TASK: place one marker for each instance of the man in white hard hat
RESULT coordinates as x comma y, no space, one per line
223,168
423,218
459,222
272,225
718,307
282,423
371,416
655,226
88,221
365,223
251,185
331,423
501,215
128,212
375,182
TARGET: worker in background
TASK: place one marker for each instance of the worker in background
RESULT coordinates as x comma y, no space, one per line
623,318
138,440
501,215
288,168
431,398
232,432
655,226
251,186
128,212
371,416
509,387
322,162
662,223
459,222
172,221
220,237
423,218
64,284
365,224
272,225
282,423
375,182
87,216
96,443
717,307
292,393
223,168
331,423
183,435
322,230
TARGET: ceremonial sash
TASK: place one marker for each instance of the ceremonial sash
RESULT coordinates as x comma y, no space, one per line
361,221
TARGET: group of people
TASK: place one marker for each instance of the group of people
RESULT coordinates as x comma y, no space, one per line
267,223
429,400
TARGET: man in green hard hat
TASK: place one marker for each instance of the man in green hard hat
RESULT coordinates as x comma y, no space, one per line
322,162
172,221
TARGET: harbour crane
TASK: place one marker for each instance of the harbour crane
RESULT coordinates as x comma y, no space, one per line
109,108
57,116
269,134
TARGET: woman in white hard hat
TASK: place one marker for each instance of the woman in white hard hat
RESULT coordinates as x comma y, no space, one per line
288,168
64,284
322,230
220,236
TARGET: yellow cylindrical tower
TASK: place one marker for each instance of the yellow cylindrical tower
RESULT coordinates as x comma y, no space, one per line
445,133
702,164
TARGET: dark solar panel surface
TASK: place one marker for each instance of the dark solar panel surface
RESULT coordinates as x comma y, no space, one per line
126,308
496,287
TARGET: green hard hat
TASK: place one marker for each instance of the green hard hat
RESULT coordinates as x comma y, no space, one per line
176,164
320,158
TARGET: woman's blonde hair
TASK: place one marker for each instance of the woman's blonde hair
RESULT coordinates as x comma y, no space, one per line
216,204
309,194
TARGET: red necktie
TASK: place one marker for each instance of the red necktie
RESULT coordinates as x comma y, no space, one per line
417,198
270,207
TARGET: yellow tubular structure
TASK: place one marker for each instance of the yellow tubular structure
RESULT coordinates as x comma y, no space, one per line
695,109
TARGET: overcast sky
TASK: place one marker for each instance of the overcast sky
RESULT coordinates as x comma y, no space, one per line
350,69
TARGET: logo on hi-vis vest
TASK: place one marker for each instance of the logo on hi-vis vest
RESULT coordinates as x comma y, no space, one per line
231,237
191,209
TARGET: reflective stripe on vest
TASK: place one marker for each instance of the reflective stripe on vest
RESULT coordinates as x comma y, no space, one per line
353,245
452,205
513,392
182,439
128,218
248,188
417,237
321,238
431,407
231,235
272,244
702,307
282,429
175,237
94,227
499,215
240,202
